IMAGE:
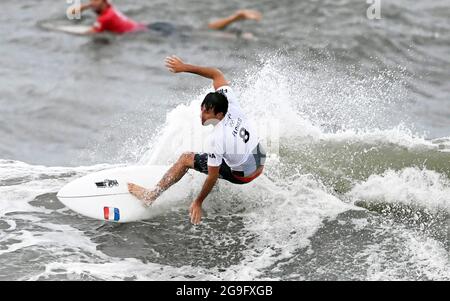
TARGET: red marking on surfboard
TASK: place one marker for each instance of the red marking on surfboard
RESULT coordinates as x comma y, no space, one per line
106,212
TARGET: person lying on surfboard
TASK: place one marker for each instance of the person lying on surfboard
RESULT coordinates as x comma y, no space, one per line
109,18
112,20
234,153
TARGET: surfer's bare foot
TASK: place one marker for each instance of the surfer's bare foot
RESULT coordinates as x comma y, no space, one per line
146,196
249,14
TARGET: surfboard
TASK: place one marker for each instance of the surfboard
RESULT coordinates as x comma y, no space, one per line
78,29
72,29
104,195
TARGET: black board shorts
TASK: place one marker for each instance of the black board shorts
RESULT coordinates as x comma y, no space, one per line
225,172
201,165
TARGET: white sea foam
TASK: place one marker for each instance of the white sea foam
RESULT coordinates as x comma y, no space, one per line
425,256
283,217
410,186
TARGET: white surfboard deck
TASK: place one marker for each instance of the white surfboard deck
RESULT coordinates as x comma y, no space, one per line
104,195
79,29
72,29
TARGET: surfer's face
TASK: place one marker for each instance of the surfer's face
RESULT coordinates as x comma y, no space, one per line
208,117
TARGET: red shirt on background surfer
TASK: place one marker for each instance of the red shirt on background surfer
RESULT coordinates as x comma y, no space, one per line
111,19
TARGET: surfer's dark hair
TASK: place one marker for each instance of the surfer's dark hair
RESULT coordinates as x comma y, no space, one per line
216,101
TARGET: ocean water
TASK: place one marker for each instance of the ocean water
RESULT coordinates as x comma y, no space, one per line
355,113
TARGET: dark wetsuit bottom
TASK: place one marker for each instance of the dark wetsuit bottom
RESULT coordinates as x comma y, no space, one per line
164,28
167,29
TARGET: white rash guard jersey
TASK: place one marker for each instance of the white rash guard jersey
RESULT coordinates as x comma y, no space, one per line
234,137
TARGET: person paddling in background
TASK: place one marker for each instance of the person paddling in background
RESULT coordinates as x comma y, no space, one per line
112,20
234,153
109,18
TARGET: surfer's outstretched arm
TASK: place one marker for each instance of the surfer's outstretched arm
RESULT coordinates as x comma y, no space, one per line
73,9
176,65
243,14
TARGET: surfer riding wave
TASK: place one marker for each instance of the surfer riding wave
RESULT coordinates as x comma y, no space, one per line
234,152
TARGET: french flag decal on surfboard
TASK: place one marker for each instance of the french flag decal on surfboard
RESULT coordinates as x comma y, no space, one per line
111,213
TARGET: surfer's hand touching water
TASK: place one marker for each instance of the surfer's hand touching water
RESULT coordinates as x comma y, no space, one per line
195,212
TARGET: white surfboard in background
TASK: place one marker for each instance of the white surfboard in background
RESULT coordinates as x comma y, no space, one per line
104,195
72,29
